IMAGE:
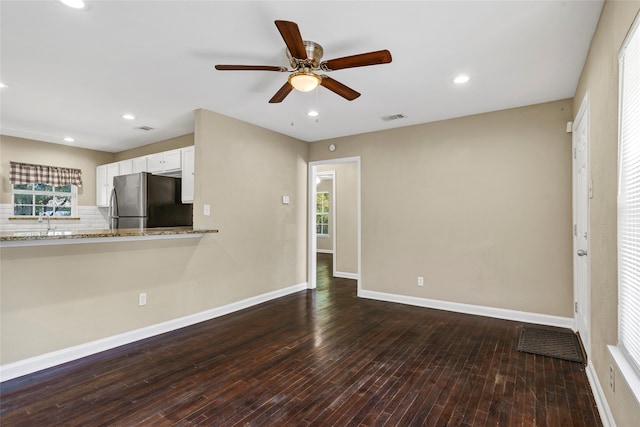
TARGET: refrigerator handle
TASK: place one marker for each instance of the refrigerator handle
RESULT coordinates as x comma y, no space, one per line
113,208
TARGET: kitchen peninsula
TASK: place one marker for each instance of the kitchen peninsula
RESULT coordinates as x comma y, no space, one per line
58,237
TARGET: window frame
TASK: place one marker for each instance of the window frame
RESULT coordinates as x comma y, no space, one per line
626,353
323,212
73,195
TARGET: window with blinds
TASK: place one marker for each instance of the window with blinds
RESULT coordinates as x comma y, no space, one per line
629,200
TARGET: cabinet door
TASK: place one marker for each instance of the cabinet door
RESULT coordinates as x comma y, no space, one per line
172,160
139,164
125,167
113,169
154,162
104,182
101,186
188,174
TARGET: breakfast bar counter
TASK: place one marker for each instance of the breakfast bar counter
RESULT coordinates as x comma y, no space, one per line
59,237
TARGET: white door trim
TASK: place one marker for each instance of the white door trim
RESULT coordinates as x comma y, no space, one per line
311,220
582,297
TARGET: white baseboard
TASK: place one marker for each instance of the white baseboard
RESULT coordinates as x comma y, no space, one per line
344,275
324,251
48,360
600,398
500,313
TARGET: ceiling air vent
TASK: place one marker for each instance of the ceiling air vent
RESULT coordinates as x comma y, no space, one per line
145,128
393,117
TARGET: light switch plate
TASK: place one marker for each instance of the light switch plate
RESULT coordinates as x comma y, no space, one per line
207,210
285,200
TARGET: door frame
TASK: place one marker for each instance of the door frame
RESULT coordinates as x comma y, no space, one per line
311,218
582,119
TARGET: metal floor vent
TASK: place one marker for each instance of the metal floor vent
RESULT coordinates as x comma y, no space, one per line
393,117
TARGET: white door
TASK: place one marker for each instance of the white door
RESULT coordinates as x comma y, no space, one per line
581,195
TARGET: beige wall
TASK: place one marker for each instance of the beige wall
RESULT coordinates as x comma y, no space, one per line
156,147
242,172
479,206
600,79
54,297
44,153
346,218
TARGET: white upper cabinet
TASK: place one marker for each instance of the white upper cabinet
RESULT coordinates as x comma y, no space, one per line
167,161
125,167
188,174
104,182
139,164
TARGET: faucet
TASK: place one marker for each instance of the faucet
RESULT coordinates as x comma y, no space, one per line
48,215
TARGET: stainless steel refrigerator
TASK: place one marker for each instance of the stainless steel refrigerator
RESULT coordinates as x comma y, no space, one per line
143,200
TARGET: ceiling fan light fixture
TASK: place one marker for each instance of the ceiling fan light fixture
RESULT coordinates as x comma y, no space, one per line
461,79
74,4
304,81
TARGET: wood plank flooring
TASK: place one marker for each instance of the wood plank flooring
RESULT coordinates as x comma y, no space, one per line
315,358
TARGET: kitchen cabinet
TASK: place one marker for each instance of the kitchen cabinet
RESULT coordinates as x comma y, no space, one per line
167,161
125,167
104,182
188,174
139,164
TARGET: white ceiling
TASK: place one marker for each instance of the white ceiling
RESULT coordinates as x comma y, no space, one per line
74,73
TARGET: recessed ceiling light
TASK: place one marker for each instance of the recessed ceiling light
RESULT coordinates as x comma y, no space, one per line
312,113
2,85
128,116
75,4
462,78
69,139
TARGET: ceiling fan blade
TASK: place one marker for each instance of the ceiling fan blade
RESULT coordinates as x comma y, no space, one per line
250,68
292,38
337,87
281,94
361,60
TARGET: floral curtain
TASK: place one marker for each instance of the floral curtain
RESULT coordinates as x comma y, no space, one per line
25,173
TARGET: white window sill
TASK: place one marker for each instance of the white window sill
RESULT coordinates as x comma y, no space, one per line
630,376
322,236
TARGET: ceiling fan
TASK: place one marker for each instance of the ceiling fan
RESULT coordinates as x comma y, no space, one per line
304,58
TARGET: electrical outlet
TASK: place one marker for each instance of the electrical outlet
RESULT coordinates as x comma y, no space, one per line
207,210
142,299
420,281
612,378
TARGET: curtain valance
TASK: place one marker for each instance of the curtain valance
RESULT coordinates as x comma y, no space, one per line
25,173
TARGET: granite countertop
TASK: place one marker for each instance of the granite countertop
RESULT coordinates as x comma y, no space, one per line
65,235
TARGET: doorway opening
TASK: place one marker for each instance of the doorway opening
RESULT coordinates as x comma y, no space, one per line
345,217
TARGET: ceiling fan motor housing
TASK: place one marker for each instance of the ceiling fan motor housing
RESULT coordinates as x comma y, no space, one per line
314,55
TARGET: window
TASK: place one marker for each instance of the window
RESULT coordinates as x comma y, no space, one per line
629,209
32,200
44,190
322,213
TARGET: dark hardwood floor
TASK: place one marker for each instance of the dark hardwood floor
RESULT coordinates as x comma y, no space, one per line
322,358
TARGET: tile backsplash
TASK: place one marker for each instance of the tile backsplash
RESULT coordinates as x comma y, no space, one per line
90,217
